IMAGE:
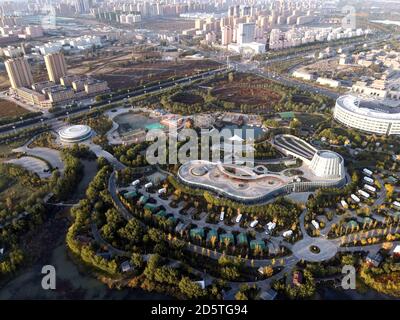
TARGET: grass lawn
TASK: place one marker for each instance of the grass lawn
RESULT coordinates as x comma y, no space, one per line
6,149
309,120
11,109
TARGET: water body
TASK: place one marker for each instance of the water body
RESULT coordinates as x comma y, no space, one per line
72,280
134,121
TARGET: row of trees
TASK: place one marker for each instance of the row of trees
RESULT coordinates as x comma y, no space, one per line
65,185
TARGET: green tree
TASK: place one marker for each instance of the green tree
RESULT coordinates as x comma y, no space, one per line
190,289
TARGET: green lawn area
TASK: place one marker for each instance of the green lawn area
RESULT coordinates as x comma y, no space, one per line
6,149
308,119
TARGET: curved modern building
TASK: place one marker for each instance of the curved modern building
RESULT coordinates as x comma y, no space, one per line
368,116
75,133
327,164
319,168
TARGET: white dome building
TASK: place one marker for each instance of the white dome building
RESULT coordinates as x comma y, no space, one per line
75,133
328,164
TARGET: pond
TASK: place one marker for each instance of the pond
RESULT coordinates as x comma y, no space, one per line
129,122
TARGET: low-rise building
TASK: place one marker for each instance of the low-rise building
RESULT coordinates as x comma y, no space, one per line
374,260
126,266
328,82
303,75
297,278
93,86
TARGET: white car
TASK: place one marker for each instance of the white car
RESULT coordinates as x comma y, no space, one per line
221,216
239,217
253,223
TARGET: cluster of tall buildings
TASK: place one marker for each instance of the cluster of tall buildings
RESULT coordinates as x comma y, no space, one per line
14,28
130,18
59,90
113,9
248,26
239,29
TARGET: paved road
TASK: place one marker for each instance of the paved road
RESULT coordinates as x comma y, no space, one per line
50,155
99,152
34,165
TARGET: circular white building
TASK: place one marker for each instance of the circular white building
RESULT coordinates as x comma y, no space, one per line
327,164
75,133
368,116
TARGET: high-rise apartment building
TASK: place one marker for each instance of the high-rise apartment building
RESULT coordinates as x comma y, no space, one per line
227,35
19,72
56,66
246,33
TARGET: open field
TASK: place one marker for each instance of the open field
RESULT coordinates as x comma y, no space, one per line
167,24
310,120
134,74
4,82
245,89
11,109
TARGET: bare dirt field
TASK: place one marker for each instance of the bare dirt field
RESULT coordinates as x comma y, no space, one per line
132,74
4,82
167,24
11,109
245,89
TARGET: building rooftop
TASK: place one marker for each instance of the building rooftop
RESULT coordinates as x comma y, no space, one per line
371,108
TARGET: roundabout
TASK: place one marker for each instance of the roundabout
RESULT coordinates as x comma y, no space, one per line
314,249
